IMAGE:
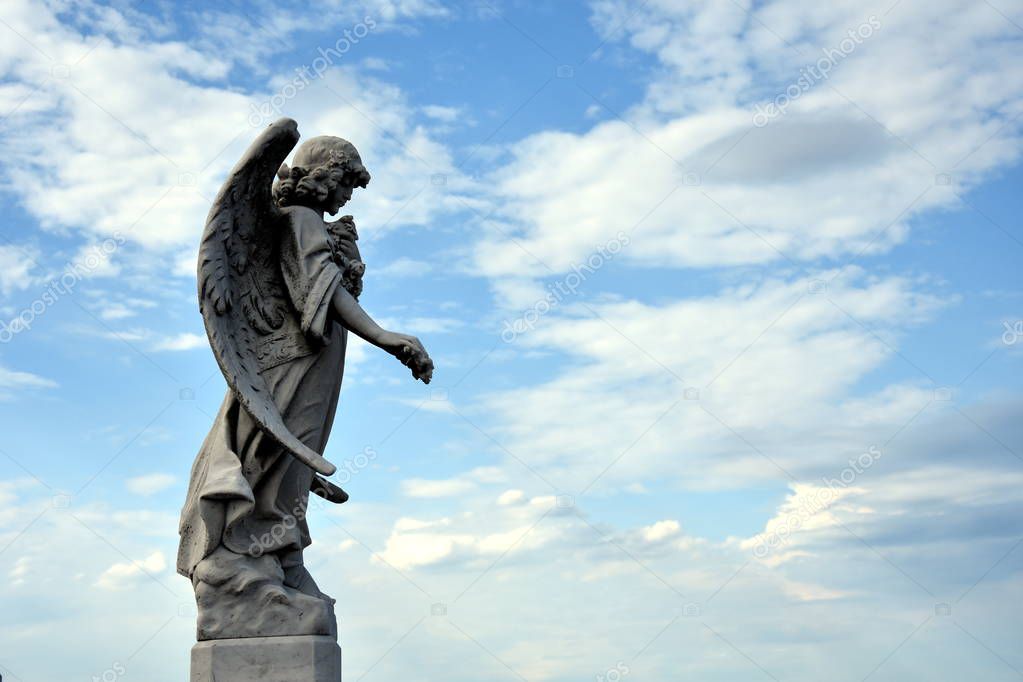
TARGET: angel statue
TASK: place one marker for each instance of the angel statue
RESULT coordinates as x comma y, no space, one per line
278,292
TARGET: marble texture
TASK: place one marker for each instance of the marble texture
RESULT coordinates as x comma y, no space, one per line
303,658
240,596
278,289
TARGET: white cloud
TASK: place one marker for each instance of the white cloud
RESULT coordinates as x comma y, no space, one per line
121,576
432,325
403,267
566,569
96,260
661,530
16,265
805,510
509,497
438,403
441,113
808,592
14,380
150,484
658,380
113,306
418,487
148,173
451,487
181,342
785,376
375,64
716,189
117,311
417,543
414,543
21,570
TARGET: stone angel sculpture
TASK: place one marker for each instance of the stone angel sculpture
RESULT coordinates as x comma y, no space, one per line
278,291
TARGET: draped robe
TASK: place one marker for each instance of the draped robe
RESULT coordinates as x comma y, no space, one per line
246,492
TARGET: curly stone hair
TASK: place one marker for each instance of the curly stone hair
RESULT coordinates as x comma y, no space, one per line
320,167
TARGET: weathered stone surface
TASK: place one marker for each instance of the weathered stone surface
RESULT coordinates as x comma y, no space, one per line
267,659
242,596
278,293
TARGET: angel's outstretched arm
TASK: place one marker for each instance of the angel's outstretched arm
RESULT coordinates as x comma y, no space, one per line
308,268
406,348
352,315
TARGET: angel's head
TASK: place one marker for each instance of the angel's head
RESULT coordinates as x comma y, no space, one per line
325,172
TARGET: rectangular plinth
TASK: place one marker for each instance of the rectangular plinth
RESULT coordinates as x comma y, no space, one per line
267,659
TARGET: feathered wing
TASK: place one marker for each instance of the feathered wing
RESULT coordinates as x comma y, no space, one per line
240,289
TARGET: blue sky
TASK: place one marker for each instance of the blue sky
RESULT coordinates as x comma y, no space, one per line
772,426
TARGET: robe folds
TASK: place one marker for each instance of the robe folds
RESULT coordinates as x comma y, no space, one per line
246,492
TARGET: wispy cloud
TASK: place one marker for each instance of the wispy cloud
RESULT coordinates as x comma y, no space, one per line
150,484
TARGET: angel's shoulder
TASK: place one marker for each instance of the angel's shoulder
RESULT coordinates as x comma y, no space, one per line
303,228
302,218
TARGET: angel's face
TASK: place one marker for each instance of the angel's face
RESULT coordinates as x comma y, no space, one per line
341,195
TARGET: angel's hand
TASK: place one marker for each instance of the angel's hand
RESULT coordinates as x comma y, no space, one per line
411,352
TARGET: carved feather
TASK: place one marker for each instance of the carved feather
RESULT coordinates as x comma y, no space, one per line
241,294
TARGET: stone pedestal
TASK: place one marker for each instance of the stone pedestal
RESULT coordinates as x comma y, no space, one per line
303,658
